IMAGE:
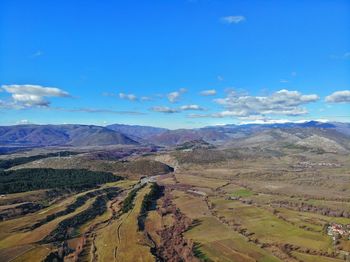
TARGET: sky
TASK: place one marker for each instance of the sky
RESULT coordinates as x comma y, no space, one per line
174,63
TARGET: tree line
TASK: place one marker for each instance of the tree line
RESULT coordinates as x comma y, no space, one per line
149,203
63,230
22,180
8,163
128,202
79,201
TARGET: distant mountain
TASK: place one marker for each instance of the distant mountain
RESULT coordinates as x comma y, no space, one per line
308,138
341,127
180,136
136,132
195,144
58,135
329,136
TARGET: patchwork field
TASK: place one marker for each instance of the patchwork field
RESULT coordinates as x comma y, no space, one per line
235,206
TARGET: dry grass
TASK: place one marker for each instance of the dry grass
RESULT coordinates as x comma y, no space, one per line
220,243
268,228
24,238
38,253
311,258
198,181
217,241
121,240
193,207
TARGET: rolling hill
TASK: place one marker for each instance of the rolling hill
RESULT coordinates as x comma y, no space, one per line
137,132
312,134
58,135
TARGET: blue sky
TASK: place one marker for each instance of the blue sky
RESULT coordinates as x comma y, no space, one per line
173,63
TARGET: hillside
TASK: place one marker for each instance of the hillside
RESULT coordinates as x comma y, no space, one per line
54,135
137,132
330,135
180,136
337,134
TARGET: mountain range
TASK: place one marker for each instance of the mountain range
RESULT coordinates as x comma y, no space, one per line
330,136
57,135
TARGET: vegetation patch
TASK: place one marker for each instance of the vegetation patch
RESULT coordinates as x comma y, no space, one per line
65,228
128,203
22,180
80,201
8,163
149,203
242,193
20,210
199,253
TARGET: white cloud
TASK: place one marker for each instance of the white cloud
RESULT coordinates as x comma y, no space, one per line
339,97
233,19
101,110
283,102
191,107
146,98
108,94
174,97
346,55
32,95
210,92
37,54
220,78
199,115
130,97
23,122
164,109
284,81
343,56
279,121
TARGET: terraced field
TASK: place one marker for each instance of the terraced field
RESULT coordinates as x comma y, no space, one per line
237,219
264,211
23,238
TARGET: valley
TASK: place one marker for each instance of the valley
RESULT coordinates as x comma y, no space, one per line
269,195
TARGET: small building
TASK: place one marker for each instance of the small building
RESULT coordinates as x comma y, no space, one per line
338,230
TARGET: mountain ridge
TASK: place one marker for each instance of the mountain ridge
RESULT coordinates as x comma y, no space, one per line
57,135
336,133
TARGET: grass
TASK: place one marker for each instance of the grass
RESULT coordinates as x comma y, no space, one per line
123,238
23,238
242,193
105,216
215,240
13,252
186,202
199,253
312,220
13,240
128,202
199,181
153,224
268,228
219,243
10,226
23,197
36,254
122,184
312,258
